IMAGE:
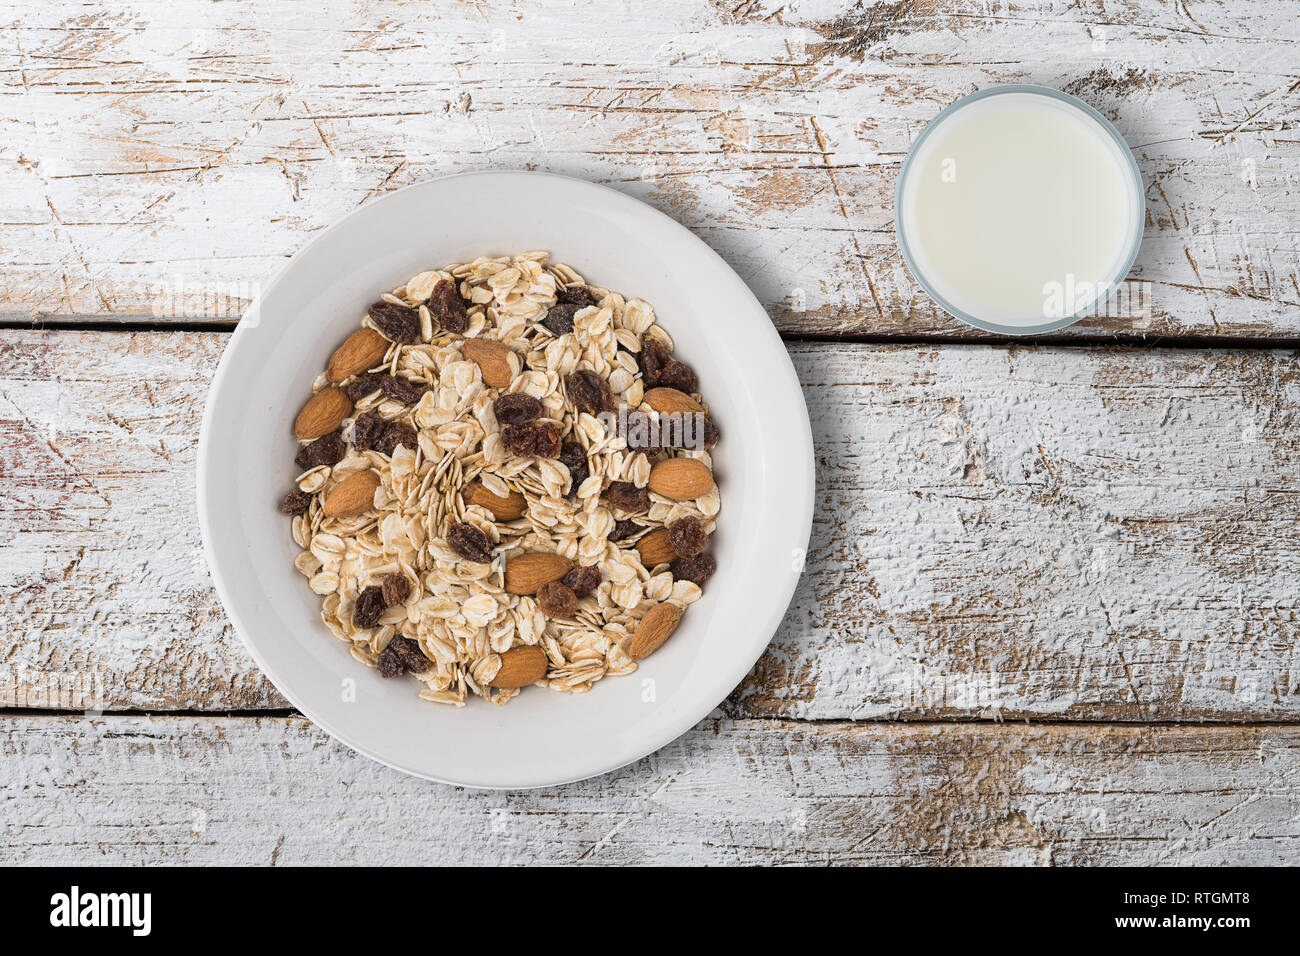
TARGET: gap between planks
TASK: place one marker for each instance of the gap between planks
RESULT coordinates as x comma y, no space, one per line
127,323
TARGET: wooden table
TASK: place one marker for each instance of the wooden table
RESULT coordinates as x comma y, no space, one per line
1050,608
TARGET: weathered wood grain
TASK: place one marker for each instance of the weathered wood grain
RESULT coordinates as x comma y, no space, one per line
164,159
278,791
1066,533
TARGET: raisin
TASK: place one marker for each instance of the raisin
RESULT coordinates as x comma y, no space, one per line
404,390
547,443
396,323
557,600
364,385
559,318
295,502
470,543
659,368
535,438
654,355
589,392
693,430
372,433
709,433
448,307
627,497
409,653
624,529
368,431
395,434
390,662
326,450
696,570
578,295
395,588
517,409
687,536
678,375
369,607
583,579
519,440
574,458
642,433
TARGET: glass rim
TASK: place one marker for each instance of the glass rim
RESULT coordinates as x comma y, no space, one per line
1135,237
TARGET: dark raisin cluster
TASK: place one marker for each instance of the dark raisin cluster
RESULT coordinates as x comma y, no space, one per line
370,432
559,319
374,600
660,369
400,656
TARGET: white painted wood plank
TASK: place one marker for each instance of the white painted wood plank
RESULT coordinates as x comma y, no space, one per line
165,159
1073,533
273,790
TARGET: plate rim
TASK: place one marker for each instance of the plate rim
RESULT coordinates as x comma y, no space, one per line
802,524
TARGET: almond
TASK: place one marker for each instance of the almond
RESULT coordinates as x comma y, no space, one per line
362,351
671,400
528,572
655,549
323,413
681,478
354,495
503,509
521,666
492,358
655,628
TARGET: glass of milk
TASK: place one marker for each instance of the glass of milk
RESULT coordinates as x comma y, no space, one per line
1019,209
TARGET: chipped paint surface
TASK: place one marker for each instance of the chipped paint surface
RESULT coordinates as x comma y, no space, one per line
165,159
214,790
1084,533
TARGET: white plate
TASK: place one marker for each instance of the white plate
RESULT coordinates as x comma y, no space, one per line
764,466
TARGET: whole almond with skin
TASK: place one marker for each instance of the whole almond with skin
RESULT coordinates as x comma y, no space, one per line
360,352
521,666
655,549
354,495
655,628
671,400
509,508
681,478
528,572
323,413
493,360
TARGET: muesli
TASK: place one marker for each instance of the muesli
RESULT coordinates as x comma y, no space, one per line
506,480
